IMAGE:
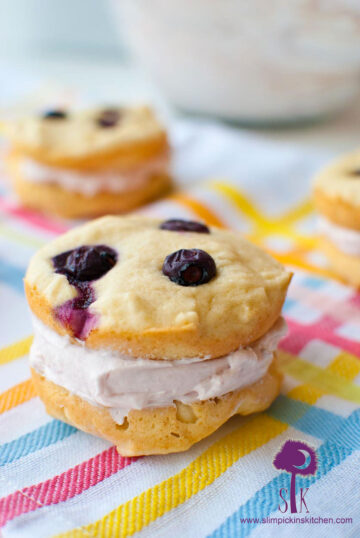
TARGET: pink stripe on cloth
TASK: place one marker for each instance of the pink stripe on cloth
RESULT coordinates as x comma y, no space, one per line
355,300
36,220
300,335
342,310
65,486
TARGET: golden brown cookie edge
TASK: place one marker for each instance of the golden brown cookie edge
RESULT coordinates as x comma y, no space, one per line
162,430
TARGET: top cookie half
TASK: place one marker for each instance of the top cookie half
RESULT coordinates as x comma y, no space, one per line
142,297
89,139
337,191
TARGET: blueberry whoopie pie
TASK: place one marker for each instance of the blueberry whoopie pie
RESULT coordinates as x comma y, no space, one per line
337,199
152,335
77,164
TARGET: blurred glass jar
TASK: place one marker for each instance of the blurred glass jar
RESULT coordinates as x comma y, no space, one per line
263,61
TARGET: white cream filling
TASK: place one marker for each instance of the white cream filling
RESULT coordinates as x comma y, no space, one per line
91,183
345,239
120,383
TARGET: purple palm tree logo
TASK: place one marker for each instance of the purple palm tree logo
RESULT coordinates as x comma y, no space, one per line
295,457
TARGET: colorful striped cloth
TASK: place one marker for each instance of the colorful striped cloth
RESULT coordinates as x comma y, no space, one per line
58,481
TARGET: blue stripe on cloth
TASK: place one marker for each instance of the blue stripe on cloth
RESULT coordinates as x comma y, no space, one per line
304,417
342,442
313,282
12,275
289,303
46,435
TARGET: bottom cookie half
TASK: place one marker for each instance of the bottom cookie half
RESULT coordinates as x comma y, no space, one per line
161,430
54,200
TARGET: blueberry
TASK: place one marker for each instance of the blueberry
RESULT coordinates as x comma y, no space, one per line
54,115
75,315
80,266
189,267
108,117
85,263
179,225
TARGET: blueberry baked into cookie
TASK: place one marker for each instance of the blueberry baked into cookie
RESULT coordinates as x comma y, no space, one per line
83,164
337,199
152,334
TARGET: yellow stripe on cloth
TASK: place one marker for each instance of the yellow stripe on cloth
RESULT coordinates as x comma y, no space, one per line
301,211
249,209
241,202
325,380
23,392
137,513
345,365
266,226
15,351
198,208
20,238
294,260
134,515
